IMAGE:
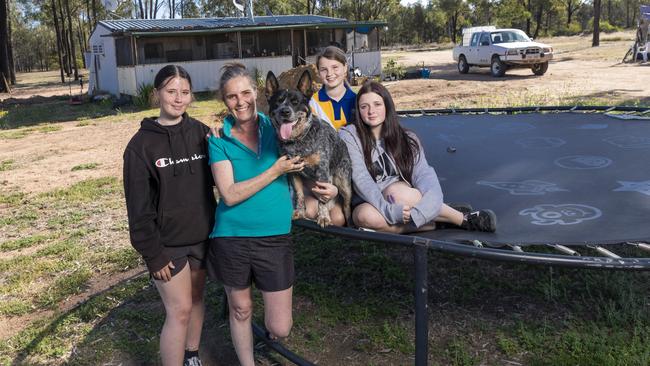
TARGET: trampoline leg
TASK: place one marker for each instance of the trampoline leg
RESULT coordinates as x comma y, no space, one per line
421,307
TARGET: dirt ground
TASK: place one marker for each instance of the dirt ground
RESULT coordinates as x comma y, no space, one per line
578,74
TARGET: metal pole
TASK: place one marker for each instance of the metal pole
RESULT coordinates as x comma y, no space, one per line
421,308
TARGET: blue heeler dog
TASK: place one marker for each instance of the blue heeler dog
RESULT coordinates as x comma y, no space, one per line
303,134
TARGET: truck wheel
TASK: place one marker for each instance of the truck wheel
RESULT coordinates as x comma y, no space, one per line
463,66
497,68
540,69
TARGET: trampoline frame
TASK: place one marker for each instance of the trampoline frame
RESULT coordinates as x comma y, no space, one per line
513,253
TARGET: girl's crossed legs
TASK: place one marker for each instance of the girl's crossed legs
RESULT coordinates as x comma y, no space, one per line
367,216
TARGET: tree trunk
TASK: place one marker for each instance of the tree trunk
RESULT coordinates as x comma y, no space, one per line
88,17
538,19
59,44
73,53
5,72
595,42
65,44
4,59
82,43
10,48
609,12
528,21
94,3
141,9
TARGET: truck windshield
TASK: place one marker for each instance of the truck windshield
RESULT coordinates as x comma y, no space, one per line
509,36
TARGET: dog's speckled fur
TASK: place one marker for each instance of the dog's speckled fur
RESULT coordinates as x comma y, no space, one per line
324,153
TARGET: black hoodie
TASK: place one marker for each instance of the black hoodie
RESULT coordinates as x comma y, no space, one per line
168,188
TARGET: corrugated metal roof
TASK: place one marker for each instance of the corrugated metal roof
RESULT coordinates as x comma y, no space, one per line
157,25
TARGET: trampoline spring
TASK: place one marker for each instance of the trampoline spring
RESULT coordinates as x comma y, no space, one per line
645,112
573,108
610,109
565,250
642,246
605,252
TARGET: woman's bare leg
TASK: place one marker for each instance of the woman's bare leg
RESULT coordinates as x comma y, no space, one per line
198,310
240,304
176,295
278,317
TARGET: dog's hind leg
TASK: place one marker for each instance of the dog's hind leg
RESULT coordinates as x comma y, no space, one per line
323,219
299,209
344,185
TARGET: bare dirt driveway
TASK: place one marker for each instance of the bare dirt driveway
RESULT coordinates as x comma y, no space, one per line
579,74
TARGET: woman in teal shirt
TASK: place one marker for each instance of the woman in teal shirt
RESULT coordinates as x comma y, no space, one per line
250,241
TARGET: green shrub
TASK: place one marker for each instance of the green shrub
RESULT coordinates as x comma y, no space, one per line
392,69
605,26
144,96
572,30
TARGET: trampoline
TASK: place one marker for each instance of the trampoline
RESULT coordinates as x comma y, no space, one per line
573,181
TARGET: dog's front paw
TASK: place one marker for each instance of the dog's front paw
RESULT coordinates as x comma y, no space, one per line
324,221
298,214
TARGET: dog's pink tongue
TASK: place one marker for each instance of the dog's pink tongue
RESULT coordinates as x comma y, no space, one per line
285,130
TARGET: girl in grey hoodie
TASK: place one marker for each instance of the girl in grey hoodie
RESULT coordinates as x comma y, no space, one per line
390,173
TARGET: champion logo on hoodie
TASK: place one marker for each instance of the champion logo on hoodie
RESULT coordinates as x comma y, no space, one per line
165,162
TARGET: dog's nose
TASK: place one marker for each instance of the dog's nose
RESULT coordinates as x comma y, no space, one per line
285,112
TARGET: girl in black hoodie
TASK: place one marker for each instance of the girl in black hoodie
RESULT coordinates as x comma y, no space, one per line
171,205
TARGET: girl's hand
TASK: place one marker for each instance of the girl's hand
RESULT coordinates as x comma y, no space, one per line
325,191
406,214
284,164
165,274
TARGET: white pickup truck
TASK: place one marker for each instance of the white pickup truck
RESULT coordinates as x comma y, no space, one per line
500,50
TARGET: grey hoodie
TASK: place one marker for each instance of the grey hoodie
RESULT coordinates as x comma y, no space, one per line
424,179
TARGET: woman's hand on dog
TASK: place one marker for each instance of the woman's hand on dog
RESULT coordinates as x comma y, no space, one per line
285,164
324,191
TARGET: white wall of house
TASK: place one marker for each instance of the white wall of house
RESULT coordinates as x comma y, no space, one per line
205,74
103,68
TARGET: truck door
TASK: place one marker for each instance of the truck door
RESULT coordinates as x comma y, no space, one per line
472,50
484,49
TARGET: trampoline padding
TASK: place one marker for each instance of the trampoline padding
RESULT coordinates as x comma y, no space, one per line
556,178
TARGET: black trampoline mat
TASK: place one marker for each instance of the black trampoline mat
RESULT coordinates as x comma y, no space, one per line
555,178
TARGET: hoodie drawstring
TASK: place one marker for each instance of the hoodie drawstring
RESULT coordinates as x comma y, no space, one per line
171,150
186,150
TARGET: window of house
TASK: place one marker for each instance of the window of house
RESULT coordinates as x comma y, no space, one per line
318,39
153,53
222,46
124,51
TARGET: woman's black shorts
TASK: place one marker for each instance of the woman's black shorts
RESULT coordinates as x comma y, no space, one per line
240,261
193,254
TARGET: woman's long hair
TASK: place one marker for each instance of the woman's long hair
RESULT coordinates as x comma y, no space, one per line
401,146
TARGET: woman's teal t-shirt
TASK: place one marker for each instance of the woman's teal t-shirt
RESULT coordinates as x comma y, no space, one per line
267,212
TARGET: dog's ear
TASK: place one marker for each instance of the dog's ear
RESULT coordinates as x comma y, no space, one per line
272,85
304,84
